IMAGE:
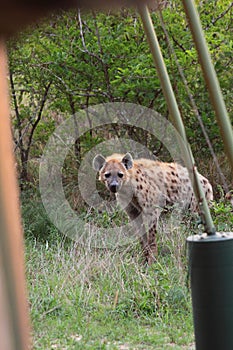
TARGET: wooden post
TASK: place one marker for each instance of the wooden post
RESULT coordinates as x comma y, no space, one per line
14,322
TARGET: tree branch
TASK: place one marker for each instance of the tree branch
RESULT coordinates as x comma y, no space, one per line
38,118
214,20
104,65
17,114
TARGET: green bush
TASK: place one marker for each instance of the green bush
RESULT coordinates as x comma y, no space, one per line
35,219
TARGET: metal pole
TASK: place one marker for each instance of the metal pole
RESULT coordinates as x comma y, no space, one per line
210,77
175,116
210,258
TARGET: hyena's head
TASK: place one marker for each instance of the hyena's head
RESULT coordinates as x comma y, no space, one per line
113,170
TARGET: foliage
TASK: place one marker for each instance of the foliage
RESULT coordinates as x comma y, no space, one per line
74,60
35,220
223,216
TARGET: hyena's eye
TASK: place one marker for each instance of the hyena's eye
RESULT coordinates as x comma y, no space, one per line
107,175
120,175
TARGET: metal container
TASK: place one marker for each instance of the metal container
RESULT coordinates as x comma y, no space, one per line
211,274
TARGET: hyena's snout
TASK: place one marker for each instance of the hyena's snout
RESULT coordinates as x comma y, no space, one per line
114,186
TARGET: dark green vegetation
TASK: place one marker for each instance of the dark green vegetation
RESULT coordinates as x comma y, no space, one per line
82,298
76,60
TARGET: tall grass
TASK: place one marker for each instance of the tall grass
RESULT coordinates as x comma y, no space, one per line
86,298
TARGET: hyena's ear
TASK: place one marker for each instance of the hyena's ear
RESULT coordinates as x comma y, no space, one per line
98,162
127,161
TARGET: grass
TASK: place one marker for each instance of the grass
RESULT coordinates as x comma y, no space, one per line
81,298
91,300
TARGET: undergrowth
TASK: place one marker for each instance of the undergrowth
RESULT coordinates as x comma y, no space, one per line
86,298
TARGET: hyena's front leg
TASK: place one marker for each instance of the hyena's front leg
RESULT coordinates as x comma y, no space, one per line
145,234
145,228
149,246
148,239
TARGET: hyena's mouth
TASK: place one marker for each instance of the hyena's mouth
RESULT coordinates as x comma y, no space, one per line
114,188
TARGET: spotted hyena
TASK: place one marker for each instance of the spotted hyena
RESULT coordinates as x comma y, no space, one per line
144,187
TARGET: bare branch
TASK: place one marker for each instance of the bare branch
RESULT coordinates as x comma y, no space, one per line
81,30
13,91
214,20
83,40
104,65
39,115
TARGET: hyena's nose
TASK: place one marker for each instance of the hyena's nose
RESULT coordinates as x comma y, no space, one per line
114,186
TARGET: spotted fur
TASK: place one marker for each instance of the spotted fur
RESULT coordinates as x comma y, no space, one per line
143,187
